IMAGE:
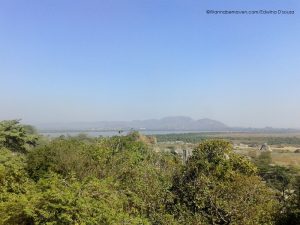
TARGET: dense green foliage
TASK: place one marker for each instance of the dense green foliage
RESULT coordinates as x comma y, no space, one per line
122,180
286,180
17,137
219,187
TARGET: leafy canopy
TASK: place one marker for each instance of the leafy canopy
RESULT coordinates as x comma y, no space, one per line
217,186
17,137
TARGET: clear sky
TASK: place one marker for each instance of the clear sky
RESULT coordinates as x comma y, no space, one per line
93,60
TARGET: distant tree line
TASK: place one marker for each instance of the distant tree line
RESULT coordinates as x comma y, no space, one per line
198,137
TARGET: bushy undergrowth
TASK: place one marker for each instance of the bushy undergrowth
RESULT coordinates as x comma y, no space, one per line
121,180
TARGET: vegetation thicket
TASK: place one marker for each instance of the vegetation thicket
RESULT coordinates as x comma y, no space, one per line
121,180
238,138
17,137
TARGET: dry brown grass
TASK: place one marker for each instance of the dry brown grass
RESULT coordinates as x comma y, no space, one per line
286,159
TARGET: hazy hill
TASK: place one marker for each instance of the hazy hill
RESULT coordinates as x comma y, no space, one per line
167,123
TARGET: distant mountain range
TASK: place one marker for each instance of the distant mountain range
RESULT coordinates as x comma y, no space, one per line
167,123
176,123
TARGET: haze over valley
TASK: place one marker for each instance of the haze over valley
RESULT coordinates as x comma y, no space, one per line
175,123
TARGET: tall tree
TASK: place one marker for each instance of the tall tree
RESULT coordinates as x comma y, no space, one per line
218,186
17,137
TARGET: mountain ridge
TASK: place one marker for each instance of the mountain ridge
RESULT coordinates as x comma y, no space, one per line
165,123
171,123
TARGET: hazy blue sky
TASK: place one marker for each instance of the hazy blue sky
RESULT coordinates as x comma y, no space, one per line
68,60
